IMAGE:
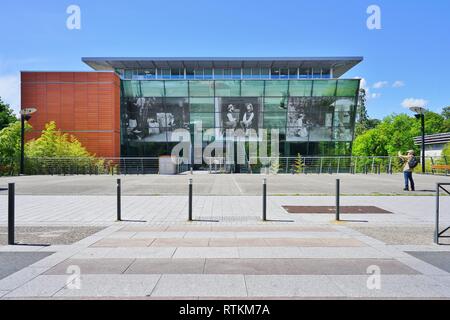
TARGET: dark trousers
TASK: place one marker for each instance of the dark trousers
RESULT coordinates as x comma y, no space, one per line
409,179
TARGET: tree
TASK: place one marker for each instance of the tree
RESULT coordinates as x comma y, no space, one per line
53,143
363,121
446,113
396,133
10,147
6,115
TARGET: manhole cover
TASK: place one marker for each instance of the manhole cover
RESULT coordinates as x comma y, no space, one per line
332,210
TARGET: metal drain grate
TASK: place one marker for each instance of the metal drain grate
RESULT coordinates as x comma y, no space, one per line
332,210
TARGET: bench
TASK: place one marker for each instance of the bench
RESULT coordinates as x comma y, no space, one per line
441,167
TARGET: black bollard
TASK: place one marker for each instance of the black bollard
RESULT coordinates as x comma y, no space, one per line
119,200
264,217
338,200
11,214
191,189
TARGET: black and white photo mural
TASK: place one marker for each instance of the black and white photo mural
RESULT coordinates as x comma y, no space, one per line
154,119
240,115
310,119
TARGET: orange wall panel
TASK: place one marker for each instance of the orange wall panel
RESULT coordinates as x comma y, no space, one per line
84,104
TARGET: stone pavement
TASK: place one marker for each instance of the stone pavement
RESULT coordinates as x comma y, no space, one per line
222,185
156,254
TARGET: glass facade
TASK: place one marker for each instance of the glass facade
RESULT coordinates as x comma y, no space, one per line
314,117
224,73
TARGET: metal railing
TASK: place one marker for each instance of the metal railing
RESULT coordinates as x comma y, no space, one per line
282,165
338,165
438,234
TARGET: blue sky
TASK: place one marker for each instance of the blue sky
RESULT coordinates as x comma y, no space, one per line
411,50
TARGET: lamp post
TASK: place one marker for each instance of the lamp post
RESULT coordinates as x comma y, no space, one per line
420,114
25,115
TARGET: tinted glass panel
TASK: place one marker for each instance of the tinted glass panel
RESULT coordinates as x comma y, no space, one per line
276,88
300,88
201,88
152,88
131,89
252,88
347,88
202,105
324,88
176,88
228,88
275,105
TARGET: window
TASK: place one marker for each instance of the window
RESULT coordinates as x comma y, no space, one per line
190,73
324,88
237,73
201,88
276,88
208,73
199,105
177,73
252,88
300,88
228,88
165,73
152,88
176,88
131,89
256,73
275,73
347,88
198,74
293,73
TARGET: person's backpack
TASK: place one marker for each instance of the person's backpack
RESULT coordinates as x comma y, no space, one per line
413,163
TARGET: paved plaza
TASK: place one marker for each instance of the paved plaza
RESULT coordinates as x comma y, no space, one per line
227,252
223,185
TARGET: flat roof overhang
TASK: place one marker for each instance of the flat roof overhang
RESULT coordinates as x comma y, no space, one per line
340,65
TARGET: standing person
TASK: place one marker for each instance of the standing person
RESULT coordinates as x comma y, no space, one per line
247,121
410,162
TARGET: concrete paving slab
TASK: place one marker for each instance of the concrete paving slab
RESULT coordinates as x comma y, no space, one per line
348,253
91,266
21,277
113,286
11,262
291,286
201,286
93,253
42,286
159,235
258,253
166,266
180,242
199,253
303,266
216,242
141,253
112,243
314,242
407,286
440,260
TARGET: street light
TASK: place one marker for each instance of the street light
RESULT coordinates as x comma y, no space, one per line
420,114
25,115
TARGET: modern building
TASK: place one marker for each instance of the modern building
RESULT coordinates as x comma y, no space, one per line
434,143
130,107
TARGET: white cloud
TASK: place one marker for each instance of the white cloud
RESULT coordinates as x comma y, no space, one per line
375,95
380,84
398,84
412,102
10,91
